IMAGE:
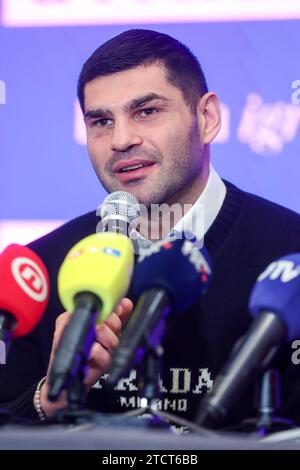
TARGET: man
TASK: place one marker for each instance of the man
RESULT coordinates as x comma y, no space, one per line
150,121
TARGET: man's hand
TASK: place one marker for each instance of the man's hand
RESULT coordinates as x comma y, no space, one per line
107,339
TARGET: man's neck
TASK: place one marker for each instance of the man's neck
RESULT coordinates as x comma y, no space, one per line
159,223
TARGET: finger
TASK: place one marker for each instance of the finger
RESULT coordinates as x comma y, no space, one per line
98,363
114,323
99,357
117,320
62,320
118,309
60,324
107,337
127,307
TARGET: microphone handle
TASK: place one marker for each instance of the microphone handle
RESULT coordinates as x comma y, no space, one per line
255,352
75,344
151,306
7,324
115,225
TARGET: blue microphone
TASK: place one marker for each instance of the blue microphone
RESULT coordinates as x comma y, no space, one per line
274,305
169,276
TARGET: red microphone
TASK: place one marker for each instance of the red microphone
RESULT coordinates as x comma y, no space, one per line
24,291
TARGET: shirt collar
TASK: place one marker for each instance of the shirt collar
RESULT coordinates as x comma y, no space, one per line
205,210
201,215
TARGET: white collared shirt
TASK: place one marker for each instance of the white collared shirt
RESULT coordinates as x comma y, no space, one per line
202,214
205,210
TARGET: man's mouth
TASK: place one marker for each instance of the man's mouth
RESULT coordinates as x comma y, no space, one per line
128,171
131,165
135,167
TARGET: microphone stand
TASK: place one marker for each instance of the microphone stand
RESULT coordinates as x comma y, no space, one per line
151,355
68,372
268,402
76,411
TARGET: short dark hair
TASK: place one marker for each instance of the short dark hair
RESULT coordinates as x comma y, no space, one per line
144,47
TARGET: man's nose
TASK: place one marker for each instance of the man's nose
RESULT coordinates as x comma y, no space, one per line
124,136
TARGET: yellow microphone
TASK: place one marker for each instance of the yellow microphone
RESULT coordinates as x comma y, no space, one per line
94,276
101,264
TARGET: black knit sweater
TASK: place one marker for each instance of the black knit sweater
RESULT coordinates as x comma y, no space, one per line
247,235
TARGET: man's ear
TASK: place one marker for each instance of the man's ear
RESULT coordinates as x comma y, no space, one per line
209,117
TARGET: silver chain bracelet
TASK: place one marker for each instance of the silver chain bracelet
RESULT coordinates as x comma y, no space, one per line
37,400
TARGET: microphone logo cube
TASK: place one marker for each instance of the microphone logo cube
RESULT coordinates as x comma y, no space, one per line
283,269
30,278
110,251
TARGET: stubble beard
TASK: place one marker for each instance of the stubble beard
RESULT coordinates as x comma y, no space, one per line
178,170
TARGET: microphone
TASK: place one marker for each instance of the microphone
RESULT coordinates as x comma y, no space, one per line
274,305
119,213
169,275
24,291
93,278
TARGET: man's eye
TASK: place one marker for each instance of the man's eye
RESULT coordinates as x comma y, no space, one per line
102,122
148,112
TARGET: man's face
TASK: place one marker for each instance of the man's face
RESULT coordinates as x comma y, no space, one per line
141,135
